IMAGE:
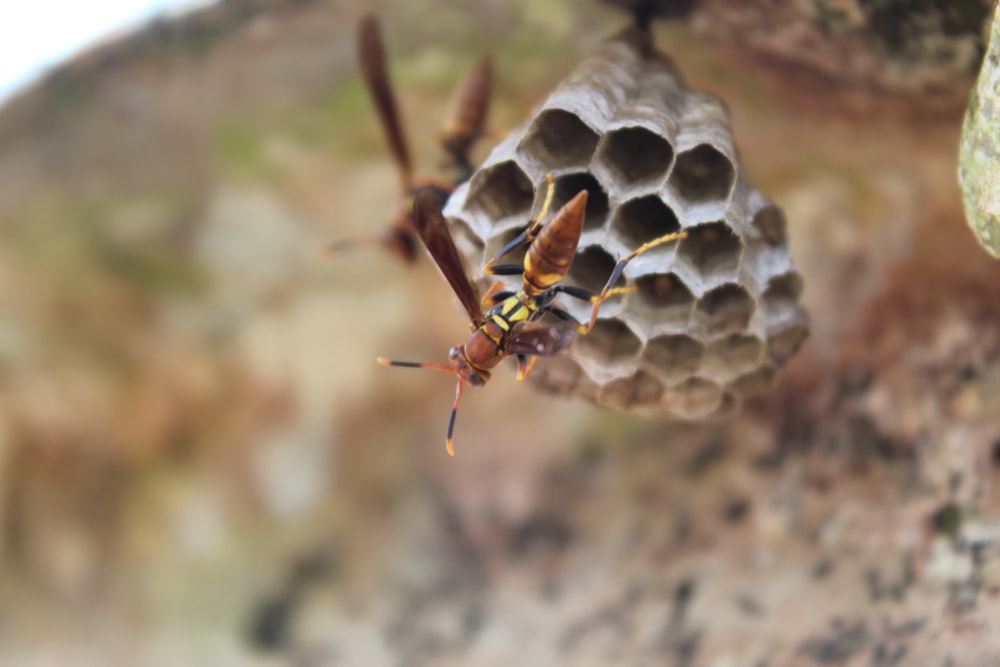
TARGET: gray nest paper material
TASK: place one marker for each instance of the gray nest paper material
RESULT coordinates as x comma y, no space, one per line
979,157
714,316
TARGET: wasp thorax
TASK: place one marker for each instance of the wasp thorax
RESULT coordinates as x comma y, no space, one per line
706,321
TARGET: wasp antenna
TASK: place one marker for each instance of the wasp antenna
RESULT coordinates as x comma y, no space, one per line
415,364
337,247
448,441
331,249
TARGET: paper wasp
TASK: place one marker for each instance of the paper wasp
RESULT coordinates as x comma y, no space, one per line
463,125
511,326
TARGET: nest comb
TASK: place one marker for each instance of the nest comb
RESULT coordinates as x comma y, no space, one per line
714,316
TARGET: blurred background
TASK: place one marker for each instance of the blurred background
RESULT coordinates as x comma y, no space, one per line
201,462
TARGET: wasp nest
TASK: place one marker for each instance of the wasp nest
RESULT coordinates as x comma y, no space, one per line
714,316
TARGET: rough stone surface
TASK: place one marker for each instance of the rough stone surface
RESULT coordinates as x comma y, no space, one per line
201,464
858,56
979,160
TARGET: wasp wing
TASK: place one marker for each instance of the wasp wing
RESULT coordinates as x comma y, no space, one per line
433,231
542,340
373,69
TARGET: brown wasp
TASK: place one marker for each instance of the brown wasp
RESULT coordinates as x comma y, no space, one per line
510,326
463,125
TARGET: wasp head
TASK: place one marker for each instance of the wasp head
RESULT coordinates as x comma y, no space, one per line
465,371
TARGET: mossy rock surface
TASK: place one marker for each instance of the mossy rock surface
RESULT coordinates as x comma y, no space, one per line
979,159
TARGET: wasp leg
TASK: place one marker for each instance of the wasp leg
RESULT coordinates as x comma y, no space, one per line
495,294
530,232
458,391
584,295
519,240
499,297
504,270
573,291
525,364
609,289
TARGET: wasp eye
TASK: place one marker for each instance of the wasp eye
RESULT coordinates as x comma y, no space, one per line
476,380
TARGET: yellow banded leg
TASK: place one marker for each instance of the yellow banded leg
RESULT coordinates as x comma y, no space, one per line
550,193
524,366
529,234
609,289
488,297
613,292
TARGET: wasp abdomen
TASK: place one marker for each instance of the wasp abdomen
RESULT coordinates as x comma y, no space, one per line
552,251
467,116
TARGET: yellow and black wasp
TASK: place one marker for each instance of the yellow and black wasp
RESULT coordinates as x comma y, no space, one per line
462,127
510,326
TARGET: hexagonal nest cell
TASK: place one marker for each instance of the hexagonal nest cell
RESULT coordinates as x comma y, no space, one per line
701,175
695,397
725,309
782,293
733,355
591,269
558,139
712,250
674,355
783,344
635,156
770,226
637,391
755,382
569,186
662,299
642,220
609,343
687,342
469,244
500,191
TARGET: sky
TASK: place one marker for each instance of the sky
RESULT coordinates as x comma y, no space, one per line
36,34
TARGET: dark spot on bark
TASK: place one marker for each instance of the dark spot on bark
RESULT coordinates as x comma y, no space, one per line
541,532
822,569
873,582
868,440
271,623
843,643
888,654
736,510
966,373
683,594
707,455
947,520
857,378
749,606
